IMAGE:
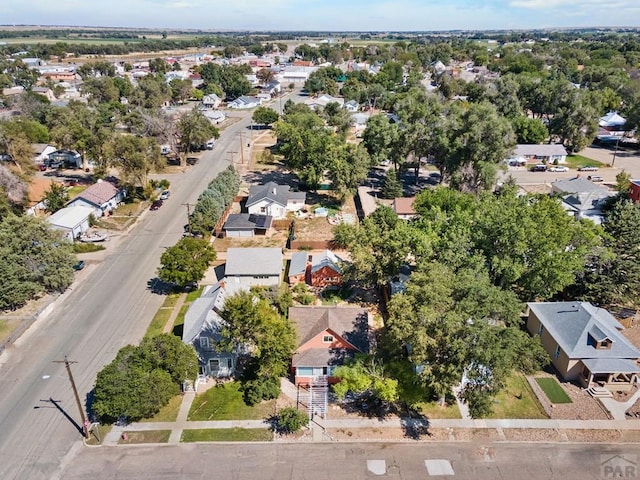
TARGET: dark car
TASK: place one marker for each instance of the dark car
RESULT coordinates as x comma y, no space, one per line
78,266
156,205
595,178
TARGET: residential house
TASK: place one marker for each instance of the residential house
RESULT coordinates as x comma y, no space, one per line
351,106
325,269
634,191
254,266
245,225
612,123
585,344
216,117
545,153
582,198
72,221
212,101
46,92
403,206
359,121
274,200
64,158
41,152
325,338
324,100
245,102
102,197
202,326
298,268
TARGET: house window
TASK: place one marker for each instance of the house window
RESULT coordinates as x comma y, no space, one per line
214,366
304,371
556,354
204,342
327,339
229,364
263,209
540,329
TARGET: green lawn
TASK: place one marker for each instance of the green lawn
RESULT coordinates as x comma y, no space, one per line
171,300
225,403
98,433
577,161
227,435
434,410
517,400
159,321
553,390
79,247
168,413
191,296
151,436
76,190
333,296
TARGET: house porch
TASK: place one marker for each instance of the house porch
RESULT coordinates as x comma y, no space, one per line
616,375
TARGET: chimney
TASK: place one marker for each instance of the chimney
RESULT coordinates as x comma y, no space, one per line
274,190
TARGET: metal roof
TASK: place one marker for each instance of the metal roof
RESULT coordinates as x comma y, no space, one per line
254,261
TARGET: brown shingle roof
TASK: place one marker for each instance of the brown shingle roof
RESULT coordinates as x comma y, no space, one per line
404,205
351,323
99,193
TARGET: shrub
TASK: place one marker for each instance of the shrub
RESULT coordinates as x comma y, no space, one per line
290,420
254,391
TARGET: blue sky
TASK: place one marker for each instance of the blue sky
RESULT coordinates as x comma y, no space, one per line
361,15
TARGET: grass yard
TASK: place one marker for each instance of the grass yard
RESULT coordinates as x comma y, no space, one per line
224,402
76,190
335,296
98,433
191,296
79,247
227,435
168,413
160,319
577,161
171,300
434,410
517,400
553,390
151,436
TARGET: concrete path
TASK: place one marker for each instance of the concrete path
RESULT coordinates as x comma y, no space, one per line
464,409
618,409
174,313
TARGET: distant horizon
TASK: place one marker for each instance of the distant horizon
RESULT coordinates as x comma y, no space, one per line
324,16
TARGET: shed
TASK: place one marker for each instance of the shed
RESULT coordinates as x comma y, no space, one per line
73,221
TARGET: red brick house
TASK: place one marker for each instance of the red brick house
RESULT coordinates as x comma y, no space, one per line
325,338
325,270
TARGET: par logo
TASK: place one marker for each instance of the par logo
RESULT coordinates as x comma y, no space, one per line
619,466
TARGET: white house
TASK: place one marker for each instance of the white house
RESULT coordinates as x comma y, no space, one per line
540,153
245,102
351,106
211,101
41,152
101,197
254,266
274,200
324,100
216,117
73,221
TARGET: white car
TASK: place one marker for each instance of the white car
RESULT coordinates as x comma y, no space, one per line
165,195
559,169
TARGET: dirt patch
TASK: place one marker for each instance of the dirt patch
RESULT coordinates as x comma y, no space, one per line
532,434
633,335
634,411
593,435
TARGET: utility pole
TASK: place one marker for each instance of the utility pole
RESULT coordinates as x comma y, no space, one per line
188,205
85,423
241,149
615,152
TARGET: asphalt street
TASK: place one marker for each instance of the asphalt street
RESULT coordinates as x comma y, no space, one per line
337,461
108,307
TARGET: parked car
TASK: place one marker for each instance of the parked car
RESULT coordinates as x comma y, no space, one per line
156,205
559,169
78,266
539,168
165,195
595,178
209,145
588,169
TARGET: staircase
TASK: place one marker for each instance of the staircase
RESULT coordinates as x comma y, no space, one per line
599,392
318,397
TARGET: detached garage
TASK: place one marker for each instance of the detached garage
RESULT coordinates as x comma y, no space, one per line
245,225
73,221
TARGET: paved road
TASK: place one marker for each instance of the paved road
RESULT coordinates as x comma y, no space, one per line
337,461
108,307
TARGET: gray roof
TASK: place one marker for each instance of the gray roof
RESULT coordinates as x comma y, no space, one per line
247,221
578,185
610,365
298,263
542,150
575,325
326,258
254,261
320,357
271,191
584,201
203,313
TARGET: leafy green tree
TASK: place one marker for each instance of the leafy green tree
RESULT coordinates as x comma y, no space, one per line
265,116
380,138
168,352
56,197
365,376
530,130
134,157
194,128
186,262
391,185
349,169
34,259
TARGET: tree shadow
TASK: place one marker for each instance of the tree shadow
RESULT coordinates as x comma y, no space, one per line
157,286
414,424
